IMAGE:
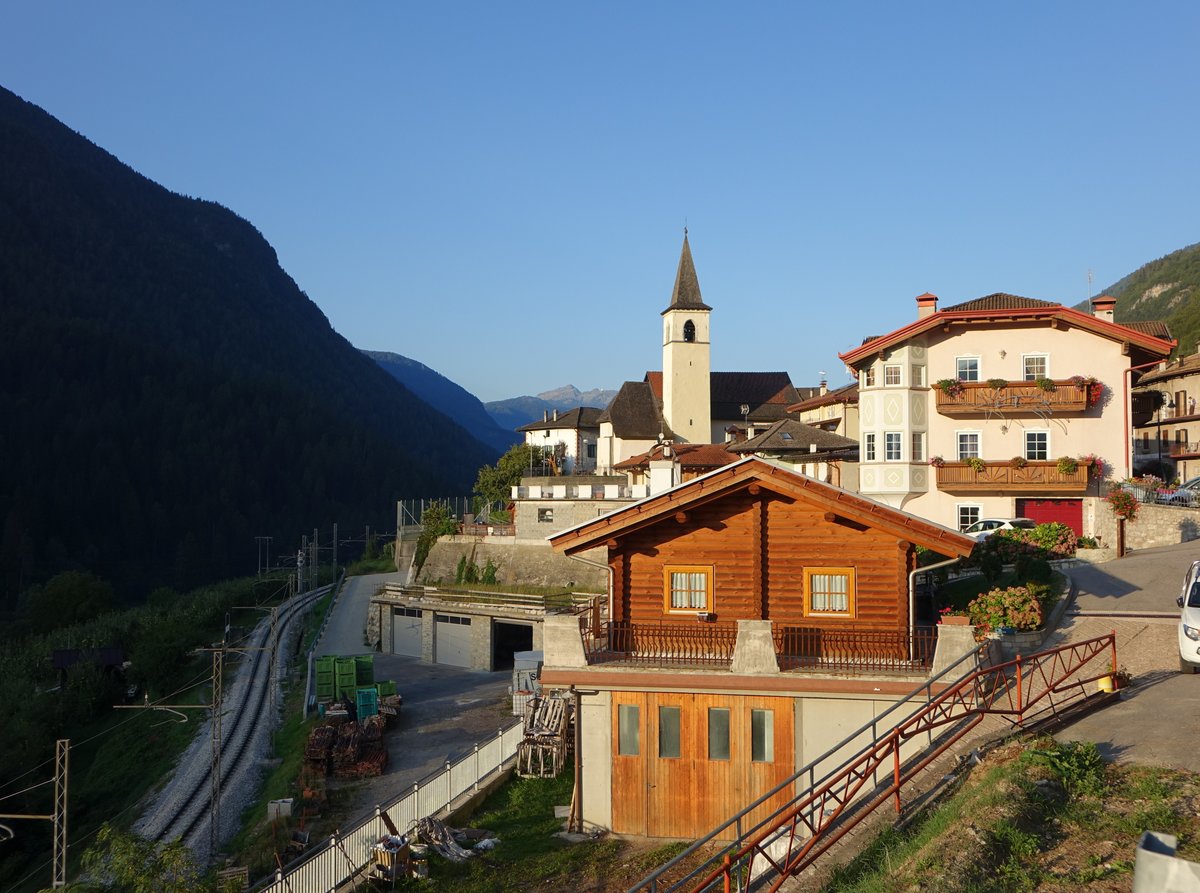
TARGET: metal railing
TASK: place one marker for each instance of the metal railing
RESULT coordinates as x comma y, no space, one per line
855,651
835,797
345,854
662,644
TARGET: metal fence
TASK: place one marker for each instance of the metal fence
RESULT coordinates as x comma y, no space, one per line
656,644
1180,497
855,650
346,854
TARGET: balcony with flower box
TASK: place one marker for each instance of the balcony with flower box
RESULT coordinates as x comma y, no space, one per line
1032,477
966,398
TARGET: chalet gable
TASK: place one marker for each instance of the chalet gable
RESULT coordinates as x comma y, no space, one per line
754,475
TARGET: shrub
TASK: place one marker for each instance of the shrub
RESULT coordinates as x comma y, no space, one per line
1014,607
1087,542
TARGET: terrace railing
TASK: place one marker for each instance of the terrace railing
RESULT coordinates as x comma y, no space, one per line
662,644
1016,397
888,651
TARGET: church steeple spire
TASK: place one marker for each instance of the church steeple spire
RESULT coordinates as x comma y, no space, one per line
686,294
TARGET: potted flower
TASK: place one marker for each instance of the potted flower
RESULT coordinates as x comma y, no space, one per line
1095,465
953,617
997,383
1067,465
1093,389
1018,461
977,464
951,387
1123,503
937,461
1044,384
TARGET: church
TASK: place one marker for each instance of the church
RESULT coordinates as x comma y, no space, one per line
686,402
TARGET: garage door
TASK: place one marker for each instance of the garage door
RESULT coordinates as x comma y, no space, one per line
406,632
1045,511
452,640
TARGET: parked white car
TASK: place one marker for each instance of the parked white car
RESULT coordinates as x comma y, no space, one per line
1187,494
1189,621
985,527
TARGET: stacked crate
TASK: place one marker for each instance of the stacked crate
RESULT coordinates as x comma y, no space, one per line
325,678
345,677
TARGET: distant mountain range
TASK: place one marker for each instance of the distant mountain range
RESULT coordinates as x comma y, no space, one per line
168,392
1167,289
518,411
447,397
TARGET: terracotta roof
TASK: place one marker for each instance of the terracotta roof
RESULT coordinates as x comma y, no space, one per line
1155,328
1183,366
636,413
579,417
1015,308
686,294
1000,301
743,474
845,394
690,455
794,436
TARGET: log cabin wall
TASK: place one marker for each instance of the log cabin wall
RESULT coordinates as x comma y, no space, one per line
758,546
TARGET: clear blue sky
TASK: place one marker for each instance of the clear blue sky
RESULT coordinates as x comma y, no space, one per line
499,190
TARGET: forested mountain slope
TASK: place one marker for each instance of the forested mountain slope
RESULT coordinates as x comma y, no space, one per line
168,393
1167,289
447,397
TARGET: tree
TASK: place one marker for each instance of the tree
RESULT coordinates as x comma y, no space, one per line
436,521
126,862
71,597
495,482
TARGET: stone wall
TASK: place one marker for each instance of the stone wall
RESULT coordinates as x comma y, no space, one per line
517,563
1156,525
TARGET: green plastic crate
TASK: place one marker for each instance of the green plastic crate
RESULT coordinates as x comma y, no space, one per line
367,702
364,667
386,688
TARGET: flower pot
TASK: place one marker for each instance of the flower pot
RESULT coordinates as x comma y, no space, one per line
956,620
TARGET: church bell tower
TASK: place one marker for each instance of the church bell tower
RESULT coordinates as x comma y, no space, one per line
687,403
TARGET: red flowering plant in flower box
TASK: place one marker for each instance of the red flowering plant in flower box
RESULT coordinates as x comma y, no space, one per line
1091,386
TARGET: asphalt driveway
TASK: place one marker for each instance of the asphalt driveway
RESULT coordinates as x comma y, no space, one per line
1156,722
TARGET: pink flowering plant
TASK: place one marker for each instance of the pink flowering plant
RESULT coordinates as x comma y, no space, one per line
1014,607
1096,466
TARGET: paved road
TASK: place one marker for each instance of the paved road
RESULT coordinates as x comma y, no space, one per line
1156,723
447,710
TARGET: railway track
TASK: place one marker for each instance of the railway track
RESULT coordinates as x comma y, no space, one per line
184,808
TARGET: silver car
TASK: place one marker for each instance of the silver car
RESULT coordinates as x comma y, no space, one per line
1189,621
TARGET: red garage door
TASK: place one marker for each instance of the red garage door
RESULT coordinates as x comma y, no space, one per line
1044,511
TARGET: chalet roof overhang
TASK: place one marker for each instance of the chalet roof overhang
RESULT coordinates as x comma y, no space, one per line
1057,315
754,475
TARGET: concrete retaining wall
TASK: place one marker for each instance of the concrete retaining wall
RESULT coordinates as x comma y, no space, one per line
534,564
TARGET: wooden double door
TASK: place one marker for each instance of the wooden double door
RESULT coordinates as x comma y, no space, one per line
684,763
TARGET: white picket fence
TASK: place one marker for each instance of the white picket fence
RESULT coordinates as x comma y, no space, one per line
346,854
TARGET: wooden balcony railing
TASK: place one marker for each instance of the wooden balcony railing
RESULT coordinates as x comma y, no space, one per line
796,648
1035,477
1181,450
1016,397
850,650
662,644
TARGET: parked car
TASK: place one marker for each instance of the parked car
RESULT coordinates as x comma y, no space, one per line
985,527
1189,621
1187,494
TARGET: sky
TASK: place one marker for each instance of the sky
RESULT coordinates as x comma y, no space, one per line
500,190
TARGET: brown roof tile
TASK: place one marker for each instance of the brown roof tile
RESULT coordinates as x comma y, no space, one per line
845,394
1156,328
579,417
999,301
794,436
635,413
691,456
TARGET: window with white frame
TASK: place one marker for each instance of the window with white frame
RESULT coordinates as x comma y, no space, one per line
1037,365
891,374
868,377
967,368
918,376
968,515
1037,445
968,445
869,447
918,446
891,446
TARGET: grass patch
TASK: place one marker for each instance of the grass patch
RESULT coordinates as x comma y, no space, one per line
364,566
1036,816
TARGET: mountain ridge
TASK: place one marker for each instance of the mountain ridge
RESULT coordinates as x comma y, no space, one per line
516,412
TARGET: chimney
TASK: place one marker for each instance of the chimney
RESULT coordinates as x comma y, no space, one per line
556,415
926,305
545,415
824,389
1102,307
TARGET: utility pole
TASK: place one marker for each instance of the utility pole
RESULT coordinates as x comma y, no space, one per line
62,751
334,563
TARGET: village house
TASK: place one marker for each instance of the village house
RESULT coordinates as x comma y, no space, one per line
830,410
806,449
1166,439
567,440
755,617
1000,407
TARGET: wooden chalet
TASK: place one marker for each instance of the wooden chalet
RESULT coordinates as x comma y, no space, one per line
754,615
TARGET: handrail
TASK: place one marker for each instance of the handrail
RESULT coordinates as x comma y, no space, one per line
814,821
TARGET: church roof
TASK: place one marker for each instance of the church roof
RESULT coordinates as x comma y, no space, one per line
636,413
686,294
